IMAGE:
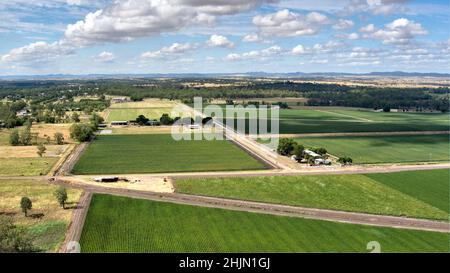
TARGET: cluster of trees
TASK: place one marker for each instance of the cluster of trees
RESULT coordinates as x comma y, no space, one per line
289,147
86,131
345,160
8,118
23,138
13,238
381,98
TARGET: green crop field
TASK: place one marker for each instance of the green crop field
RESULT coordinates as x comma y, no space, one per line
339,119
377,194
4,137
431,187
26,166
121,114
120,224
121,154
384,149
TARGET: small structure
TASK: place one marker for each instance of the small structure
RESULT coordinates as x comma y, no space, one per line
321,161
119,100
22,113
153,123
119,123
107,179
194,126
312,154
102,125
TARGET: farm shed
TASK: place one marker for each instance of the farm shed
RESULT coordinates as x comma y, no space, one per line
119,123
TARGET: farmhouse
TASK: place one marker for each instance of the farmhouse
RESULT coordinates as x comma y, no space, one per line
119,123
312,154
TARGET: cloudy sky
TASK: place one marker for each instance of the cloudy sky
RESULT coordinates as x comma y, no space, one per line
205,36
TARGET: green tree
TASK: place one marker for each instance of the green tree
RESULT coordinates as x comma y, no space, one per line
25,137
142,120
166,120
41,149
95,121
81,132
25,205
345,160
59,138
75,117
12,238
298,151
286,146
61,196
14,138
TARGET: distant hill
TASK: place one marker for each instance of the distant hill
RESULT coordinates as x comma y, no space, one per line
218,75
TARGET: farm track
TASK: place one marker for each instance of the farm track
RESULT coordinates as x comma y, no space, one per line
264,208
76,224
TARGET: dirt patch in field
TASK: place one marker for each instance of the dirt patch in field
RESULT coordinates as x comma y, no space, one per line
136,182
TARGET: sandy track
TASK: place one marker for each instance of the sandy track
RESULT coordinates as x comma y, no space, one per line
78,218
265,208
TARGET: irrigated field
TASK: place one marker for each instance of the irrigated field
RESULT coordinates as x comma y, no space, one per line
398,194
338,120
47,221
431,187
385,149
119,224
121,154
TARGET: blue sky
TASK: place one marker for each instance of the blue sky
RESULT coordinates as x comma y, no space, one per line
206,36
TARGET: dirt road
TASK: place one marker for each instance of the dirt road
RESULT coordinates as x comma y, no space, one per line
76,225
265,208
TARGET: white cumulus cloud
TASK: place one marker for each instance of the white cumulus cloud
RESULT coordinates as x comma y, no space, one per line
219,41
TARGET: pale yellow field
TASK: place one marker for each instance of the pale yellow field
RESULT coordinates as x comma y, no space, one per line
147,103
47,222
132,130
44,130
31,151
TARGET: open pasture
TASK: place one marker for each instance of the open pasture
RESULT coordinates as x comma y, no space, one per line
119,224
47,221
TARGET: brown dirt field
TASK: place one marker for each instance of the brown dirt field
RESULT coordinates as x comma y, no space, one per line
45,130
41,194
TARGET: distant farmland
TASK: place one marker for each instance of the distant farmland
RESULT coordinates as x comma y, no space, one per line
421,194
124,114
385,149
122,154
119,224
338,120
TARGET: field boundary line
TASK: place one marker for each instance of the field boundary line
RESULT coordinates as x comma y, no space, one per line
76,225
